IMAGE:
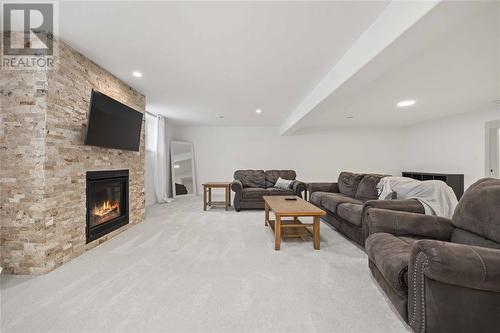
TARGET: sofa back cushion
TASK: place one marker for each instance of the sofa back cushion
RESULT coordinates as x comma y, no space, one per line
367,188
478,212
461,236
273,175
348,183
251,178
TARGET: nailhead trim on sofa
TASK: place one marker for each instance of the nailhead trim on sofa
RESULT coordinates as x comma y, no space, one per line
421,263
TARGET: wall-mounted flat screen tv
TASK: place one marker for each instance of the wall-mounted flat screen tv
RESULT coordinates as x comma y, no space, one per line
112,124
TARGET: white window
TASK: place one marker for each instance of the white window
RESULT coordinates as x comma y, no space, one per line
151,132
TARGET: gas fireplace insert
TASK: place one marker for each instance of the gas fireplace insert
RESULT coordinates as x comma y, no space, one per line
107,202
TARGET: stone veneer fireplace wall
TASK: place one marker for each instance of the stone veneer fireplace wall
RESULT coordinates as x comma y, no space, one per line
44,162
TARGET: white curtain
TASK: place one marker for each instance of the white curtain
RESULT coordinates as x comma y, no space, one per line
163,183
150,161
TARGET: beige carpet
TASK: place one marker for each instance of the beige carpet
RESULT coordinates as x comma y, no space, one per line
185,270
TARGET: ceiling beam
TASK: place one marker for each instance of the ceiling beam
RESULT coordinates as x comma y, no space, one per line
396,18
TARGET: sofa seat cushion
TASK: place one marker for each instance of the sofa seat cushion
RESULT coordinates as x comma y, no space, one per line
315,197
350,212
332,200
279,191
254,193
391,255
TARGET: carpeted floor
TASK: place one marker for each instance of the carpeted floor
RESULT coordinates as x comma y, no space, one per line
185,270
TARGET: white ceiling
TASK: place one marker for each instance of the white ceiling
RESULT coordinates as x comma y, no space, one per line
202,59
448,62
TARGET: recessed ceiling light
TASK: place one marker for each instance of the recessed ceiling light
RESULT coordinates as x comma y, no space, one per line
137,74
258,111
177,166
404,104
349,117
219,116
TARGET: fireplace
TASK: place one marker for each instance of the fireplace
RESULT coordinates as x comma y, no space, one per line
107,202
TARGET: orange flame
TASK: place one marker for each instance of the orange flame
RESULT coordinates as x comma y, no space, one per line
106,208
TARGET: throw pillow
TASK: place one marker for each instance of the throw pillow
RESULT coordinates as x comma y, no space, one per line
283,183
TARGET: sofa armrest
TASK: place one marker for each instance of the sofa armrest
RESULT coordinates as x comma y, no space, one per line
323,187
402,205
462,265
407,224
298,187
440,271
237,186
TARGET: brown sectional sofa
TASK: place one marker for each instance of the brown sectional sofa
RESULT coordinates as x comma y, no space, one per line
441,275
250,186
347,201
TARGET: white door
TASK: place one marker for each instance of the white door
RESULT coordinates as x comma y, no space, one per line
497,154
493,149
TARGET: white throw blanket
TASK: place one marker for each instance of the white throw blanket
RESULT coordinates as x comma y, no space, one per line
437,198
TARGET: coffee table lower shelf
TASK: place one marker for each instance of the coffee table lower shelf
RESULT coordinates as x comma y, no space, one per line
292,228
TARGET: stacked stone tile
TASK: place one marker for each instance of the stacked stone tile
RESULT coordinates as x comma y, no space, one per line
44,162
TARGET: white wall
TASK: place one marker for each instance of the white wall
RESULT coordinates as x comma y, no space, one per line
219,151
453,144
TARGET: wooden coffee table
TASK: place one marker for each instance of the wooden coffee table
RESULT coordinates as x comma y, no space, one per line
283,208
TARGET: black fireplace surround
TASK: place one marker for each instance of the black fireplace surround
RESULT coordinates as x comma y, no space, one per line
107,202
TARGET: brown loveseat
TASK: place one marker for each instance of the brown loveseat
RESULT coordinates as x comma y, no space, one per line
442,275
347,201
250,186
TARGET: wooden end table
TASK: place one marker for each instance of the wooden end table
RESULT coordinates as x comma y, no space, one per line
292,228
207,195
